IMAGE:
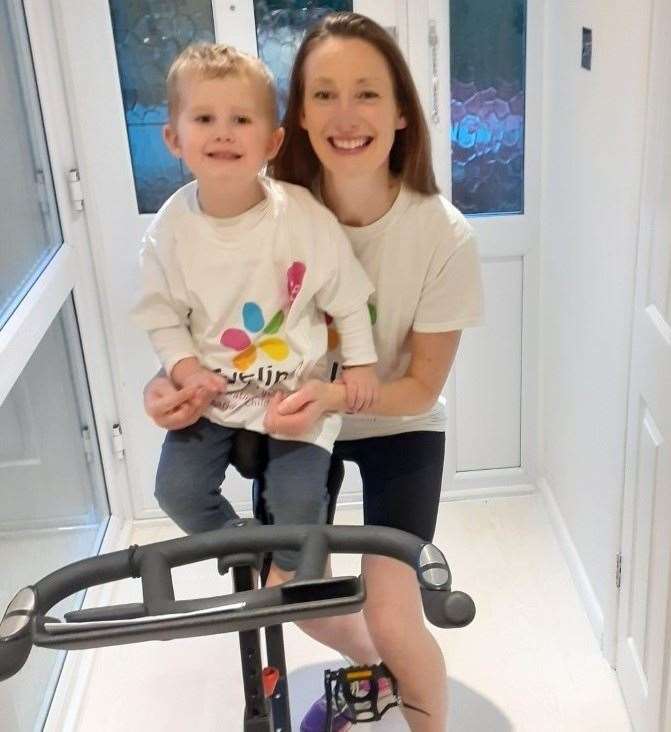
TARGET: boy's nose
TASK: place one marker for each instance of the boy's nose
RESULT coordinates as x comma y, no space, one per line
224,133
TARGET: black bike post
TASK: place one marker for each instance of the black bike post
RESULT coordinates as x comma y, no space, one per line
280,698
257,717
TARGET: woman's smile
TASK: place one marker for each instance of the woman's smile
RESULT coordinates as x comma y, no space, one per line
350,144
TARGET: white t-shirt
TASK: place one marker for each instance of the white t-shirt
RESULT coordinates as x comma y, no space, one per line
422,259
247,297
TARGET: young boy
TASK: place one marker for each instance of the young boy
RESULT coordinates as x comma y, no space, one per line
238,272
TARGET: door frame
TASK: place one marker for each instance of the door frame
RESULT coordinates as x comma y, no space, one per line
71,271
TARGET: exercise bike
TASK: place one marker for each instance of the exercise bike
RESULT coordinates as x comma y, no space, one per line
26,622
245,547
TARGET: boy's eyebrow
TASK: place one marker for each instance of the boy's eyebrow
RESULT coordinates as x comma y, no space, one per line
204,107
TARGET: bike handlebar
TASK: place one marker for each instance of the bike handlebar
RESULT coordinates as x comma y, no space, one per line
161,617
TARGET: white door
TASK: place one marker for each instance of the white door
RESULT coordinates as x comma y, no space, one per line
644,623
116,225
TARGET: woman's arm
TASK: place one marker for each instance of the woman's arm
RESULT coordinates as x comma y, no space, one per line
432,356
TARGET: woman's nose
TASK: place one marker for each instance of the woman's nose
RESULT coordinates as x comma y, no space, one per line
346,118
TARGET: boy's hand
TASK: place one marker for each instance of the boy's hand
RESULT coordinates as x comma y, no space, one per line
171,408
207,381
190,374
362,386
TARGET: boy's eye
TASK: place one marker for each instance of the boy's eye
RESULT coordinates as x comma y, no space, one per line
204,118
241,119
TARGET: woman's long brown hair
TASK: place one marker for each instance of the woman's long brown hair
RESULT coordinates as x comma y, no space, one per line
410,156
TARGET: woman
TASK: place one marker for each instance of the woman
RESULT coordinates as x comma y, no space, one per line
356,135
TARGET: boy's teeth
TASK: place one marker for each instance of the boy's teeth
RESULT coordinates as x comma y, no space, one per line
350,144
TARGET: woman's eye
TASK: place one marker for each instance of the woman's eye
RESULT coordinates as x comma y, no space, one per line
369,94
322,94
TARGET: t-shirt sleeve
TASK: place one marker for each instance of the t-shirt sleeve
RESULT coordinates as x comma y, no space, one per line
160,310
451,297
345,287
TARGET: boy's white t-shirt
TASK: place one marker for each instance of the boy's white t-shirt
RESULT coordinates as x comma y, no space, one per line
247,296
422,259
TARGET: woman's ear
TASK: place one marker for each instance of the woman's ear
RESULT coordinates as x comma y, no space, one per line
171,140
275,142
401,122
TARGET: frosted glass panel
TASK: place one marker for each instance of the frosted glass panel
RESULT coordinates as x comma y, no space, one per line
280,27
488,85
53,504
148,34
30,230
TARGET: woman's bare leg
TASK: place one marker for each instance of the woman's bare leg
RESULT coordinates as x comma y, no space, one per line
347,634
395,620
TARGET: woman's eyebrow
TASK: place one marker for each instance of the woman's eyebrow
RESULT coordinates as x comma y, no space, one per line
361,80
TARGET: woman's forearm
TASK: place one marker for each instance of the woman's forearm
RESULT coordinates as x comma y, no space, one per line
400,398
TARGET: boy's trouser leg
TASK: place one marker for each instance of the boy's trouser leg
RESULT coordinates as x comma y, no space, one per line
295,490
190,473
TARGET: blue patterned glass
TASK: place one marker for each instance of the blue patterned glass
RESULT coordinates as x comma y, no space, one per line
280,28
488,47
148,34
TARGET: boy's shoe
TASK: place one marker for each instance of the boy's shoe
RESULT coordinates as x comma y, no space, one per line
315,719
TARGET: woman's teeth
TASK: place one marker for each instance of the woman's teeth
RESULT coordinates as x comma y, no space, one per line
350,144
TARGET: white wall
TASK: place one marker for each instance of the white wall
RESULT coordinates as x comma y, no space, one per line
592,157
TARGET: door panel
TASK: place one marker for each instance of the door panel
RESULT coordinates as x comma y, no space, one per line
644,617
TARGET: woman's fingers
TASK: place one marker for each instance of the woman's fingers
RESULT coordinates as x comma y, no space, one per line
296,401
170,401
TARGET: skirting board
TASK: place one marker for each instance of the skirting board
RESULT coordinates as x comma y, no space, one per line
575,565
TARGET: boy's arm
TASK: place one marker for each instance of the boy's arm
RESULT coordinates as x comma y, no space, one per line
158,310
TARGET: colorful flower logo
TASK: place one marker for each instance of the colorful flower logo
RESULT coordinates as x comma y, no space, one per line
254,322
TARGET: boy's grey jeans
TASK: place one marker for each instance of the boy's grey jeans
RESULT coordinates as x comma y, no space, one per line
192,468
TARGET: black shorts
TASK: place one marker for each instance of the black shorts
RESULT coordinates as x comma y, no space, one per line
402,477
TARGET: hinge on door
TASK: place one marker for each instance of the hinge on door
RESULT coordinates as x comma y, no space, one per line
88,448
76,194
117,442
618,571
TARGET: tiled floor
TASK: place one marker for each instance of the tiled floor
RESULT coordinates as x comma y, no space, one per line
528,663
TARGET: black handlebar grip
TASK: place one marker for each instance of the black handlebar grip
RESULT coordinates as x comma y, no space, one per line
447,609
15,643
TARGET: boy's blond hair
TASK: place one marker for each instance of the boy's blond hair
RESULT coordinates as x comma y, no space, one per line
217,61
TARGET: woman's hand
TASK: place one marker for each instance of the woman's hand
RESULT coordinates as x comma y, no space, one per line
296,413
171,408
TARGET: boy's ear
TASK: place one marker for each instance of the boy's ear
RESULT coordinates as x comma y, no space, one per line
171,140
275,142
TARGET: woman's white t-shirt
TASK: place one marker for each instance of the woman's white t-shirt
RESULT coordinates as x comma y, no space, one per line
422,259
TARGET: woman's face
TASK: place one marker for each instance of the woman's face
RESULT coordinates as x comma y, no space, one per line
350,110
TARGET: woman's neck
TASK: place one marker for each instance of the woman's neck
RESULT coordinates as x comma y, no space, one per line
359,201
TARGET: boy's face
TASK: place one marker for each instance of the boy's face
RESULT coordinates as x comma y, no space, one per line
223,130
